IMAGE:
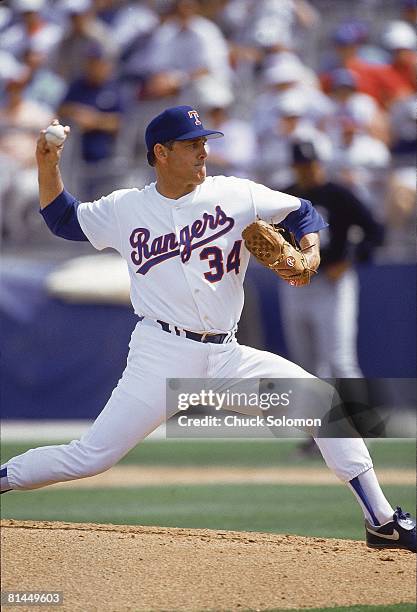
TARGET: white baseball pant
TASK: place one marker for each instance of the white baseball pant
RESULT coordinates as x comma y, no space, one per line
137,406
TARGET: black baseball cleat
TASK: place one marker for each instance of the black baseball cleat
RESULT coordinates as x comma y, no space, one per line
398,533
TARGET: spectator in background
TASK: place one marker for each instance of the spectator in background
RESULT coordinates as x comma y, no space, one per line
6,17
400,215
400,200
258,29
385,83
234,155
286,61
321,329
132,28
93,105
83,31
20,122
187,53
286,74
130,24
398,78
361,108
268,26
284,71
289,124
176,62
368,50
31,27
361,163
44,85
402,118
9,68
347,39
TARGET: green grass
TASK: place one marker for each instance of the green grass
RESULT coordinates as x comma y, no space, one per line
325,511
239,453
329,511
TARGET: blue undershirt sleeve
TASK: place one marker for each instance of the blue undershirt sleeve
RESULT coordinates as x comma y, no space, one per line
305,220
61,217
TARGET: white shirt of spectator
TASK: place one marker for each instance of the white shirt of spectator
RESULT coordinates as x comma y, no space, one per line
403,119
364,151
201,45
319,106
360,107
286,68
15,39
275,157
262,23
131,22
238,149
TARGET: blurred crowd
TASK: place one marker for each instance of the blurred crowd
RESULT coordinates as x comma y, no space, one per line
268,73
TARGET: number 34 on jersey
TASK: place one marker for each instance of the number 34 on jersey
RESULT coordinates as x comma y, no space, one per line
149,252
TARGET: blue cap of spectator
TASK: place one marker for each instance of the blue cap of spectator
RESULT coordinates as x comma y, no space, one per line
349,33
176,123
341,77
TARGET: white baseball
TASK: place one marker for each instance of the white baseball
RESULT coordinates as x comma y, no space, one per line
55,134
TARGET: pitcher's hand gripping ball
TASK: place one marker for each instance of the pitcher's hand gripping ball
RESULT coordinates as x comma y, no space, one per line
55,134
268,245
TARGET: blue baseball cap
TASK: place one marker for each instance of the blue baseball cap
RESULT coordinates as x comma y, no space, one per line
176,123
349,33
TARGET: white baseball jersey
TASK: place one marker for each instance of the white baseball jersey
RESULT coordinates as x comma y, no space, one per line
186,257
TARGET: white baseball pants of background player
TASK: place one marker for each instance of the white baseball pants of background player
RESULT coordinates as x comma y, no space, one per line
321,323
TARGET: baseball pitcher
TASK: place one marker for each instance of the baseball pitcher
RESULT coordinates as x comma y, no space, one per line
181,237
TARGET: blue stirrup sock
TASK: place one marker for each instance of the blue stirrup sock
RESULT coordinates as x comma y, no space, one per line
373,502
4,483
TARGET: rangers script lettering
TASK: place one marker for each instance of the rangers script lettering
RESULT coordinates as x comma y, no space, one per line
167,246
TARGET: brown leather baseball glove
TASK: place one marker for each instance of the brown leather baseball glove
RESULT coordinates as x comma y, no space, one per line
270,248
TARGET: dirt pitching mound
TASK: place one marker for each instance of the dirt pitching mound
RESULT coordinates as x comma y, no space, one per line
112,568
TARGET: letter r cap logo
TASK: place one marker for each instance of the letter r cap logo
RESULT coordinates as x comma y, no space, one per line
194,115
